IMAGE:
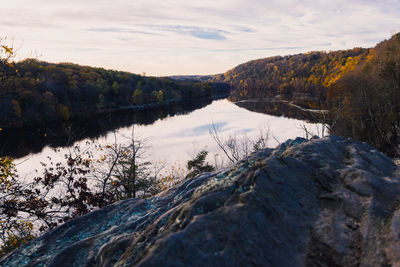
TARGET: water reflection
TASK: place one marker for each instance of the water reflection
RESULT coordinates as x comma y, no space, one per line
21,142
278,107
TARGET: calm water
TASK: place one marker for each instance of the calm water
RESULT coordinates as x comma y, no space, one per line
176,138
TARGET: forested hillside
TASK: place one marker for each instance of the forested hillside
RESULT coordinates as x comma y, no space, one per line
302,76
360,87
33,92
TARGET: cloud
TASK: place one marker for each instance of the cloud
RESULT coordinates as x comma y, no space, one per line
242,29
191,37
198,32
210,35
119,30
278,48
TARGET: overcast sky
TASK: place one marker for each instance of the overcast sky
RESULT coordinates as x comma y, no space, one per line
168,37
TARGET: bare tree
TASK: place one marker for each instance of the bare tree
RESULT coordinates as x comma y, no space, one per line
235,148
122,170
307,133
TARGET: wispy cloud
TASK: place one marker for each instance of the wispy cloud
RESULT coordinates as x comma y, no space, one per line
198,32
278,48
119,30
242,29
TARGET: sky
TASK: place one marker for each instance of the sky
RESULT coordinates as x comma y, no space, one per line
184,37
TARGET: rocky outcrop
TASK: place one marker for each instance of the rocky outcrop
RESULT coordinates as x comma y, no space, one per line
322,202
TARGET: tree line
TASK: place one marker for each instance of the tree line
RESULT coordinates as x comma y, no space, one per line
34,92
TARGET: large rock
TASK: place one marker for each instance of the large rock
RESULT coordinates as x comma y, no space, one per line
323,202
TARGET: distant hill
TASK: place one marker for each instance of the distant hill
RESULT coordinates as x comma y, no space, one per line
309,74
359,86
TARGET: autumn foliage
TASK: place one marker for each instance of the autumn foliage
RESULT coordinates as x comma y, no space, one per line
292,77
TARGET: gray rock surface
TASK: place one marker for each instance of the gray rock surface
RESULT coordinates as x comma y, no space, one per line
322,202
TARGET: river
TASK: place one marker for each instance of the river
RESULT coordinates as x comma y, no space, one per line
172,137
